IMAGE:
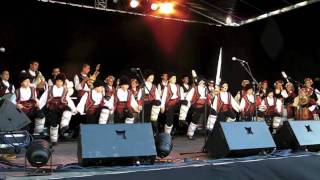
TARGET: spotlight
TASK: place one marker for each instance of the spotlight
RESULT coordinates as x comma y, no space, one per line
166,8
38,154
134,3
229,20
154,6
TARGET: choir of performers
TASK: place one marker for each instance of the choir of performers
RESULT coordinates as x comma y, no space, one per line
225,105
27,101
6,88
94,105
170,102
125,103
59,107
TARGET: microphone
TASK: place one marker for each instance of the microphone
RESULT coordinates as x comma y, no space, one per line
135,69
236,59
284,75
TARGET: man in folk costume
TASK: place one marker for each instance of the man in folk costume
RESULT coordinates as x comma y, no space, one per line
163,83
170,102
247,104
185,90
125,103
59,107
225,105
93,104
109,86
212,94
288,102
271,108
198,98
151,100
308,83
27,101
6,88
135,89
68,84
82,81
242,92
37,80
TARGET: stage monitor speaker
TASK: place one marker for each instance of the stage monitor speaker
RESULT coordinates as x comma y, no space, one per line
299,135
11,118
239,139
116,144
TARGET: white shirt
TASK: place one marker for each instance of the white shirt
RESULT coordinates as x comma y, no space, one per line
184,94
25,94
77,83
96,97
224,98
146,91
243,101
123,97
163,83
271,103
174,90
57,92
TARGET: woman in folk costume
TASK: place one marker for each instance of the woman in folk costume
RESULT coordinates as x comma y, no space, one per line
125,103
242,92
151,100
225,105
6,88
288,102
170,102
304,105
311,93
198,99
59,107
27,101
93,104
271,108
247,104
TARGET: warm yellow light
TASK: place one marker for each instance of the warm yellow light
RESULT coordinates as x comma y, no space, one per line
166,8
154,6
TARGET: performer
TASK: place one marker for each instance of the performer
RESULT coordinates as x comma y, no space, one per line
27,101
214,90
59,107
242,92
151,100
6,88
211,85
37,80
279,91
308,82
94,106
185,86
135,89
185,90
125,103
198,98
68,84
271,108
288,102
247,104
304,105
225,105
163,83
109,86
263,86
170,102
82,81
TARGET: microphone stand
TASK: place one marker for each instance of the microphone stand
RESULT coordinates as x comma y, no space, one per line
246,66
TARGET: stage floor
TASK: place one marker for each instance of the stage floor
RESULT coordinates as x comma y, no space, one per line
186,154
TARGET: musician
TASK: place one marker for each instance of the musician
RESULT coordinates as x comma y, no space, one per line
125,103
288,102
241,93
82,81
263,86
163,83
134,88
68,84
151,100
198,99
59,107
304,105
109,86
5,86
247,104
93,104
37,80
225,105
308,83
271,108
170,102
27,101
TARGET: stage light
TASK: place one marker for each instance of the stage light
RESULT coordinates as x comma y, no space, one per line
154,6
134,3
229,20
166,8
38,153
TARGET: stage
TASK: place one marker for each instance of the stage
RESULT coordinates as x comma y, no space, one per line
185,162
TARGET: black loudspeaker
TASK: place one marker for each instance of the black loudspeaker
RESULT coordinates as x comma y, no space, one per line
299,135
11,118
164,145
116,144
238,139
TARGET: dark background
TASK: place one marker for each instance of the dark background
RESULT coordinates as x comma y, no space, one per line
58,35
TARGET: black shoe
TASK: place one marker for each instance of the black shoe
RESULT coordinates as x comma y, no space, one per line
64,129
54,143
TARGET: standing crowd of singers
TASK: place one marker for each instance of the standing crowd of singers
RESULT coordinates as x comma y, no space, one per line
124,99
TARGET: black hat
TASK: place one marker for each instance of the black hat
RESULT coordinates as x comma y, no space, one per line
123,80
23,76
98,83
247,87
61,77
201,78
147,73
269,90
171,74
